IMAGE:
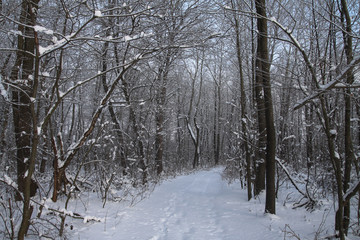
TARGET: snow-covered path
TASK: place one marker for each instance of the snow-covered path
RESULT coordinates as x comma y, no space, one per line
197,206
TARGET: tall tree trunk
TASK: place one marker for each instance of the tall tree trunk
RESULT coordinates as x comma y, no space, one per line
349,154
159,120
24,116
21,96
160,111
258,99
260,105
263,73
114,119
243,103
309,119
217,112
195,136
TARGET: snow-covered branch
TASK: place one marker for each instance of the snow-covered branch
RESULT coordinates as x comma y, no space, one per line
323,88
65,212
73,149
320,88
290,178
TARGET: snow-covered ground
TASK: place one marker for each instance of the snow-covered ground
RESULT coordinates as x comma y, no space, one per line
199,206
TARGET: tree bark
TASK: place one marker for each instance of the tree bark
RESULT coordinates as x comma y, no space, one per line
243,104
260,104
159,121
263,73
26,135
349,154
160,111
21,96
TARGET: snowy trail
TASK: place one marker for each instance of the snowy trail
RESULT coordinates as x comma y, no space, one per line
196,206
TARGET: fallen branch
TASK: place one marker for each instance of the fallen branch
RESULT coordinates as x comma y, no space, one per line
65,212
290,178
305,195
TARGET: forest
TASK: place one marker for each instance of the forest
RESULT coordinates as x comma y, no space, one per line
98,96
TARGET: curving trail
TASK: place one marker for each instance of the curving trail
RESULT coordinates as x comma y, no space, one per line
197,206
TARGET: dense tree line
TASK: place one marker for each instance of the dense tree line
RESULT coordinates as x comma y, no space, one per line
119,94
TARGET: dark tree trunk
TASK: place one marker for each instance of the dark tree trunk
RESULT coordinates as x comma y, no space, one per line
22,74
243,105
260,104
309,132
263,73
349,154
21,96
159,137
217,113
160,112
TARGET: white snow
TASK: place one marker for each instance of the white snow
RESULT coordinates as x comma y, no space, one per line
45,74
61,94
10,182
191,131
273,19
98,13
127,38
3,92
333,132
289,137
66,212
42,29
15,32
39,129
60,162
56,44
199,206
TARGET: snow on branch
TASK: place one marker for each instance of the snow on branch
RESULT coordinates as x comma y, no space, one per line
57,44
71,89
320,88
330,85
192,134
65,212
98,13
311,202
3,92
8,181
73,149
290,178
11,183
66,39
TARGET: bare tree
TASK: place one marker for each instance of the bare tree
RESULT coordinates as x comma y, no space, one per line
191,118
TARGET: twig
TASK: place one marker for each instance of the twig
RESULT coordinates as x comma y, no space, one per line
290,233
11,221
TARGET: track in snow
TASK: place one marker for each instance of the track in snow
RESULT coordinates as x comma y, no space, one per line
196,206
